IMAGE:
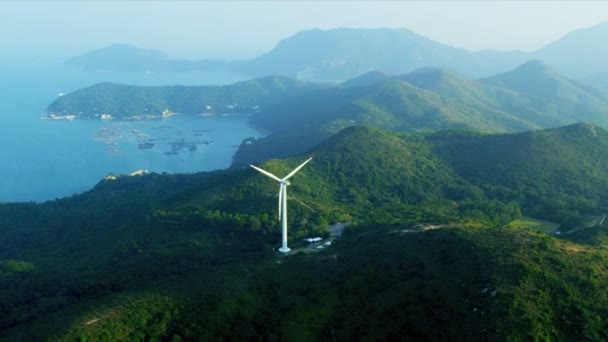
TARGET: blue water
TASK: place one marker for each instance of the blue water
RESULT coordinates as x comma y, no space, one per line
46,159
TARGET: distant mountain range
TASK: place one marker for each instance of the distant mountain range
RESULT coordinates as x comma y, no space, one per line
340,54
188,257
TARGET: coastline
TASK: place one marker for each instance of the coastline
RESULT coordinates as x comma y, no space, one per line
165,114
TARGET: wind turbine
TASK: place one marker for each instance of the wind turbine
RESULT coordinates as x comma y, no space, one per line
283,199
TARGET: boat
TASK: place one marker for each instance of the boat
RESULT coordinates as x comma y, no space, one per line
145,145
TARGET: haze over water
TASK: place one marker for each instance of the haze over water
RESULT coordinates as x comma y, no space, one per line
47,159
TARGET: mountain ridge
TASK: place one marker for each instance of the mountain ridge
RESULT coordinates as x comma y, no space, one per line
349,52
429,99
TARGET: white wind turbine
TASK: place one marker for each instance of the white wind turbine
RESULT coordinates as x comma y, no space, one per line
283,199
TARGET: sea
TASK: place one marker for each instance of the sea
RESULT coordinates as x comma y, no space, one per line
42,160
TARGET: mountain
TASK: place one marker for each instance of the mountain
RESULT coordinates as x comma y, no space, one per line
551,164
299,115
579,54
537,79
129,58
578,101
298,123
321,55
190,256
450,84
341,54
119,57
366,79
122,101
531,96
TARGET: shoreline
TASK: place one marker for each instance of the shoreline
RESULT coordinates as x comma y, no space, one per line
138,117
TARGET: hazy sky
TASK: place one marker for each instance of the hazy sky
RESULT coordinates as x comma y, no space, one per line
198,29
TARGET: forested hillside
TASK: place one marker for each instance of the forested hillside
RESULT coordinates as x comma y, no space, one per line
122,101
530,97
191,256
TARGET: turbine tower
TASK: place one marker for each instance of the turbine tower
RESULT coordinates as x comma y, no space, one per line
283,199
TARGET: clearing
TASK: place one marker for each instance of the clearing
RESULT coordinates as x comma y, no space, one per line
536,224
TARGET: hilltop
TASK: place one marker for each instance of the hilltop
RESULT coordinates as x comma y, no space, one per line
537,79
570,54
190,256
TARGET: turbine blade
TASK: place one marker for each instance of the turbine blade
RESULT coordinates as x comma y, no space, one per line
280,200
297,169
266,173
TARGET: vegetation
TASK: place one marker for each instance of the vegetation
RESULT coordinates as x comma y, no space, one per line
536,224
558,170
505,284
123,101
297,116
532,96
427,256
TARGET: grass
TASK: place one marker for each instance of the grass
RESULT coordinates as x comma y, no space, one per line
536,224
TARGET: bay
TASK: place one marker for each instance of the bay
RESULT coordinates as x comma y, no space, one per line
45,159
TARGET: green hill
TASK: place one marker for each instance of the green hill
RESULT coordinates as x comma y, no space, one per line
537,79
190,256
123,101
530,97
560,169
366,79
299,115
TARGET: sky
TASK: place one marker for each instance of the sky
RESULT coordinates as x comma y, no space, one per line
245,29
